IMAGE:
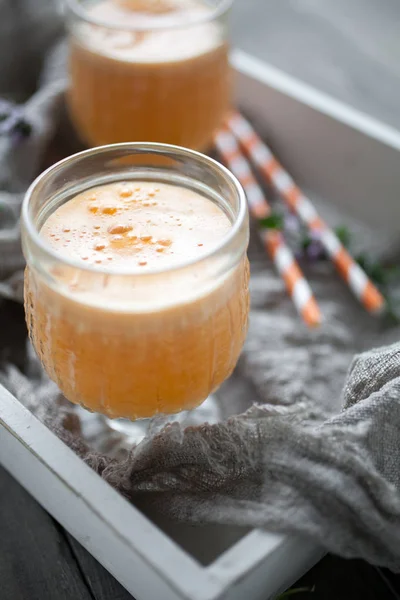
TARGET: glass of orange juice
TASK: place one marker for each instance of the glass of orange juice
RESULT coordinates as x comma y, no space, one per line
136,285
154,70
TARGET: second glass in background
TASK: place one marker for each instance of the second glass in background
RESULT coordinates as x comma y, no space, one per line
148,70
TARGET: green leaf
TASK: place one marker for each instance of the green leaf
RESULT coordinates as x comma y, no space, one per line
362,260
273,221
305,242
377,273
344,235
380,274
393,273
392,313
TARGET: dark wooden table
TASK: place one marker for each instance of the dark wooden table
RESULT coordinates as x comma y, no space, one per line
348,49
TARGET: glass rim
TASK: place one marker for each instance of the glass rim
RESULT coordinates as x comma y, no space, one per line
79,11
30,229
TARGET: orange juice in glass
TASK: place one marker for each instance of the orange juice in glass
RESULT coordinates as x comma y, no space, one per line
154,70
136,287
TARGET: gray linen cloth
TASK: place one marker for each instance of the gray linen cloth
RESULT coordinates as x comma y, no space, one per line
308,435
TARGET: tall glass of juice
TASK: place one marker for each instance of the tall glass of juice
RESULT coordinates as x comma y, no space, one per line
154,70
136,286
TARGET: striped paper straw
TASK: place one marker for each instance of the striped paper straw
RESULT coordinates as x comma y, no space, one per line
352,273
285,263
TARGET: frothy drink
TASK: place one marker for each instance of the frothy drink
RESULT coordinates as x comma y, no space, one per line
134,335
161,73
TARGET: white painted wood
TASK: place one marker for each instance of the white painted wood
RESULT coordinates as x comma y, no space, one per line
332,150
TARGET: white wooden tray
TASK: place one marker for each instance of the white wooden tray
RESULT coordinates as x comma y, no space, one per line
336,153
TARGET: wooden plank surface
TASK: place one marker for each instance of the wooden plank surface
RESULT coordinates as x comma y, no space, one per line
36,562
337,579
101,584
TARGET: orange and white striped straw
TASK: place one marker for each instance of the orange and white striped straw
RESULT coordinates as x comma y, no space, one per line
277,176
285,263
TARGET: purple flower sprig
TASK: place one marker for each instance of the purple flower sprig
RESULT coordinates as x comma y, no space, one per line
311,247
13,123
306,244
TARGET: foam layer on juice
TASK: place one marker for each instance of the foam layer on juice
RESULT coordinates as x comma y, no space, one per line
169,37
136,225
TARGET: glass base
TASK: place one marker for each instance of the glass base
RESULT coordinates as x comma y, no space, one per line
136,431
